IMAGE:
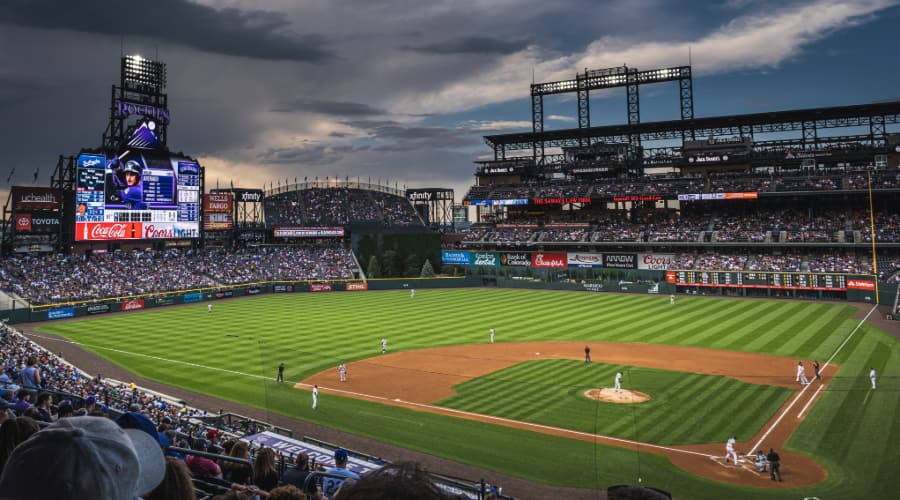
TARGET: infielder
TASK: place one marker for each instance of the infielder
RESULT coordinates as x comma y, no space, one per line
315,396
342,370
872,376
383,345
618,381
801,373
492,335
729,450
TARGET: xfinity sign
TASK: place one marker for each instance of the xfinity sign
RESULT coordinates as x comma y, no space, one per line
419,196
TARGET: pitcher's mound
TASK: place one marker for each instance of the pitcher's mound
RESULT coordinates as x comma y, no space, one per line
608,395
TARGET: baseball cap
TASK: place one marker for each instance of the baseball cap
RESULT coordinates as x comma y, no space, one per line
340,455
135,420
84,457
90,400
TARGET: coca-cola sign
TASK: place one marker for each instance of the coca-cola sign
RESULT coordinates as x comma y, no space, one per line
656,261
87,231
133,305
548,259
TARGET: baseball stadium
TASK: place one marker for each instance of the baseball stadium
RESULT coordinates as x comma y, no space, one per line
693,308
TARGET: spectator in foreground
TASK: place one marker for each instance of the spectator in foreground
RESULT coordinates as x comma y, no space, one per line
400,481
236,472
176,485
298,474
13,432
83,457
265,475
331,485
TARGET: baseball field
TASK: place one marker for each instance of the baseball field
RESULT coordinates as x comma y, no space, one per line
711,367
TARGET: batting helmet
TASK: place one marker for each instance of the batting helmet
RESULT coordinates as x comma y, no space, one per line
133,166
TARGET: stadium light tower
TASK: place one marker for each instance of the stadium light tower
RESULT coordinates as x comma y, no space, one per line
141,92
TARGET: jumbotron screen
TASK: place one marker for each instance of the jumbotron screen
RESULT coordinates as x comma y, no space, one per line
137,195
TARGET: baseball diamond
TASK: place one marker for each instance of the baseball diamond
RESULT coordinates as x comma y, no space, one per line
713,367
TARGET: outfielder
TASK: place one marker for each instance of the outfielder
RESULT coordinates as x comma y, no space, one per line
315,396
383,345
618,381
412,292
872,376
492,335
672,299
729,450
342,370
801,373
208,307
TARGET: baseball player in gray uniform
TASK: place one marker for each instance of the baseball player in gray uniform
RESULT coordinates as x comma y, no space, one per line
618,381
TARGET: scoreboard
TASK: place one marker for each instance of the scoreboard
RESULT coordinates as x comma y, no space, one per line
765,279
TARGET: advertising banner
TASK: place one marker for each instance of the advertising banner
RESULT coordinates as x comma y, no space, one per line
283,288
217,212
561,200
357,286
217,222
620,260
718,196
638,197
323,456
515,259
168,300
309,232
485,259
36,198
225,294
133,305
248,195
584,260
656,261
192,297
548,259
60,313
23,223
43,222
449,257
860,285
320,287
253,291
98,308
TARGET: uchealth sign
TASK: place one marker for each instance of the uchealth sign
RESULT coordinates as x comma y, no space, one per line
584,260
515,259
548,259
656,261
36,198
620,260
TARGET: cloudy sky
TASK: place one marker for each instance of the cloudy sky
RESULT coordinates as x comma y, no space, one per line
404,90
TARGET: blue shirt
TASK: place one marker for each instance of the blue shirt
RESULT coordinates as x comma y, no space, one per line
330,485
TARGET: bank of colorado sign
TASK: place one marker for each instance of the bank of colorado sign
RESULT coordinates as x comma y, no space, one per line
515,259
548,259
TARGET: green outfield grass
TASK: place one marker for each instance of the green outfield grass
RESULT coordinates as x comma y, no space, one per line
233,353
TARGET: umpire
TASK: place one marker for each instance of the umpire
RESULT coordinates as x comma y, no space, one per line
774,463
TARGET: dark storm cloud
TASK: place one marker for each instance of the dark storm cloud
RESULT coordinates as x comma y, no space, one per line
316,154
394,136
472,45
335,108
254,34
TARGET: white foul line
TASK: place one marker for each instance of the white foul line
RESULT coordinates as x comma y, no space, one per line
813,398
786,410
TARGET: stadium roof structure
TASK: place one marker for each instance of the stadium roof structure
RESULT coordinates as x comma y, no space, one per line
875,116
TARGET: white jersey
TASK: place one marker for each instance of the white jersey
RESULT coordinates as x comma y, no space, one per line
729,445
383,345
209,307
872,374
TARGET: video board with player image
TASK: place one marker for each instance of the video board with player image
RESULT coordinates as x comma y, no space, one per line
137,194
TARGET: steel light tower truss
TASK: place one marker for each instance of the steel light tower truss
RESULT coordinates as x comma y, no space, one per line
141,91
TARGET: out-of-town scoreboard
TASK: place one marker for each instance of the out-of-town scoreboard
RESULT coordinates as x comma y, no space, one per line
774,280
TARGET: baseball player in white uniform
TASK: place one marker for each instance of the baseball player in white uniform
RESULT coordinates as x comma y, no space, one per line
672,299
872,376
315,396
342,370
208,307
492,335
383,345
618,381
801,373
412,292
729,450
